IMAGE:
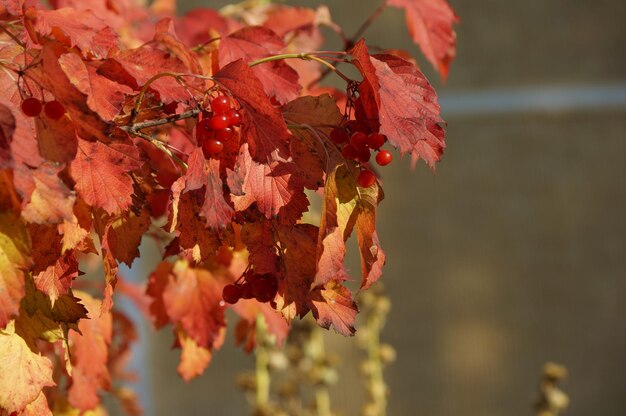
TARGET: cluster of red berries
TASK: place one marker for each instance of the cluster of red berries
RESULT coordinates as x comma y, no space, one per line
217,126
31,107
262,287
356,143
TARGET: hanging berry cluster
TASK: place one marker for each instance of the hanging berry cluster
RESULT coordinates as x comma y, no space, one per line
31,107
356,142
217,126
251,285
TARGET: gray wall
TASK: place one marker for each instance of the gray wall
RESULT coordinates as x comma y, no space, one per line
513,253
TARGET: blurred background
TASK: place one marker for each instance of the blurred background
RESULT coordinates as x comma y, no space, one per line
513,253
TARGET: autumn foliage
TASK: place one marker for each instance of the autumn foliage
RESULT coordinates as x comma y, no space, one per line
210,133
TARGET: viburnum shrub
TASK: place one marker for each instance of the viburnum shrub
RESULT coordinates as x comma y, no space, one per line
207,132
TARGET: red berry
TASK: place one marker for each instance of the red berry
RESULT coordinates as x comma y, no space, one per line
246,291
224,134
376,140
31,107
54,109
220,104
265,288
339,136
202,130
219,121
349,152
366,179
234,118
358,140
364,154
212,147
354,126
232,293
383,158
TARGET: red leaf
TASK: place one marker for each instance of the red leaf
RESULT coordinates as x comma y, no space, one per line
251,43
310,146
263,126
56,138
46,198
81,27
89,355
104,96
123,235
397,94
333,306
299,244
430,25
259,240
274,188
189,298
102,176
145,62
88,124
248,310
56,279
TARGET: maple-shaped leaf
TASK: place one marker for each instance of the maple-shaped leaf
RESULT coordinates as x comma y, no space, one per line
189,298
339,213
190,228
299,244
166,36
102,176
274,187
310,146
56,279
397,94
332,305
77,231
194,359
259,239
25,373
255,42
81,28
145,62
123,235
347,206
105,96
14,260
46,198
89,354
53,76
430,25
206,173
56,138
264,128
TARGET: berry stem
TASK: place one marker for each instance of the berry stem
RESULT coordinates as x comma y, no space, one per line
159,122
304,56
161,146
12,36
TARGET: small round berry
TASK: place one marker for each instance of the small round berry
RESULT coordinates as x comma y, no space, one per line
246,291
358,140
232,293
366,178
202,129
364,154
220,104
31,107
224,134
383,158
376,140
349,152
234,118
54,109
339,136
219,121
265,288
212,147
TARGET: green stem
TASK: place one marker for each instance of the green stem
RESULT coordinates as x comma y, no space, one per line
303,56
262,373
